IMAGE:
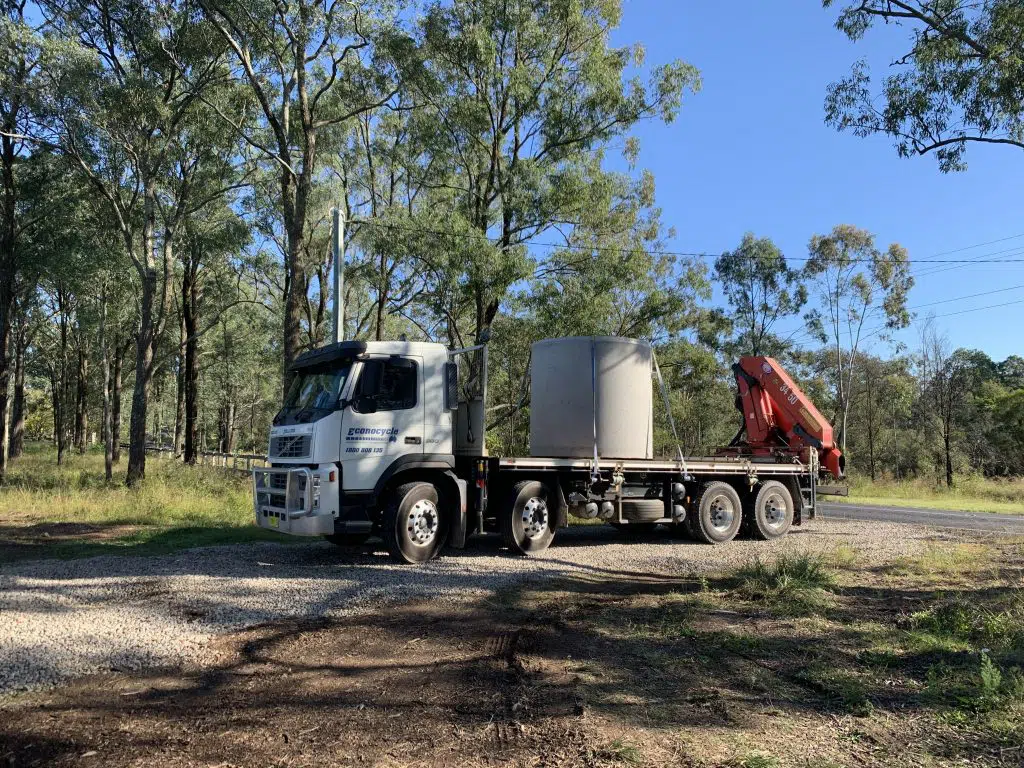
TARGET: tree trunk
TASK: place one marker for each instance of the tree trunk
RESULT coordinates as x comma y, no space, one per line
61,389
17,439
153,315
229,427
82,398
144,348
190,325
7,274
54,405
871,428
108,442
947,440
115,403
179,404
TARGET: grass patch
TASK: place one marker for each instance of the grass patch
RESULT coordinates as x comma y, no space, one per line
839,686
845,556
757,759
969,494
176,507
37,490
944,560
928,657
794,585
623,752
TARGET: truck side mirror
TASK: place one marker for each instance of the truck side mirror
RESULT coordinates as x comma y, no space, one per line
369,379
366,404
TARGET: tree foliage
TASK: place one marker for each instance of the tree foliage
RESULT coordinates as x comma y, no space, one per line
959,81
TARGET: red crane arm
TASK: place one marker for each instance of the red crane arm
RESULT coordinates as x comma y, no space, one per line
776,414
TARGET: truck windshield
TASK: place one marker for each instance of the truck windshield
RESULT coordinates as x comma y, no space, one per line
313,394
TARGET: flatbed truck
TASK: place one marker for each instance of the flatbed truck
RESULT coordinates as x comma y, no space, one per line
374,439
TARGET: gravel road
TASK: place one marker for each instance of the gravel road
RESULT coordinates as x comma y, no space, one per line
61,619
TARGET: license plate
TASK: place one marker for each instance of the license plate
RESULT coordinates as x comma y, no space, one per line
273,521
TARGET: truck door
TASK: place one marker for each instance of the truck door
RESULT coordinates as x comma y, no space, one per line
384,419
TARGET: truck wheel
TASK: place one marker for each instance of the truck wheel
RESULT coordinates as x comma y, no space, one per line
526,521
347,539
772,512
413,527
719,514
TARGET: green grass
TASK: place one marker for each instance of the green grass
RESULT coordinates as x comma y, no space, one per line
176,507
797,585
623,752
932,644
757,759
969,494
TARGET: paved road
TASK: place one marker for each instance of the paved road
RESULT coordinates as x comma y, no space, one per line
941,518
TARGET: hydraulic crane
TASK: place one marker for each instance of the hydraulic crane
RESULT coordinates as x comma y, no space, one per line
778,418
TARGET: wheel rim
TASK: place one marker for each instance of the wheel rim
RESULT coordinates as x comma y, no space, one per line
776,510
722,513
535,517
423,522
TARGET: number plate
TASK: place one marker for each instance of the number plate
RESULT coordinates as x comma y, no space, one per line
273,520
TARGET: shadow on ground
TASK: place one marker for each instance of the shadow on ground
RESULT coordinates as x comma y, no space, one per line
596,669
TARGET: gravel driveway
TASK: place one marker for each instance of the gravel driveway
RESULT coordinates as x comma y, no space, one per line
61,619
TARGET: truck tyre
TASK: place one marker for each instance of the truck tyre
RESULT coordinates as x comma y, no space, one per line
347,539
413,527
771,514
528,519
718,515
643,510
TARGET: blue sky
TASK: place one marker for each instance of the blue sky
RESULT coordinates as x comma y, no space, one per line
751,152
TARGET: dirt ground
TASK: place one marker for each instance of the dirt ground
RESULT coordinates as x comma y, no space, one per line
27,542
595,671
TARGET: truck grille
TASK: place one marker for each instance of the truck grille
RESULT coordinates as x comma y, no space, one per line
290,447
271,487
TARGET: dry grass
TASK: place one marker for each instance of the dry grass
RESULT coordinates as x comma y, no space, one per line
175,507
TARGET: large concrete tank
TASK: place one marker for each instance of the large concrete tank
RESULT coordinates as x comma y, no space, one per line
582,382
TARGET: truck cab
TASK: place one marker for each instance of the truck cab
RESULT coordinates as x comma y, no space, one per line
359,417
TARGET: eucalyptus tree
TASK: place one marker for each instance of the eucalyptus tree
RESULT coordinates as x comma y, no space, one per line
762,289
313,66
856,284
521,95
23,54
214,281
141,67
384,167
958,81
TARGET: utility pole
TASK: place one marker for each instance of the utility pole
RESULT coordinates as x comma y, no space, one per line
337,249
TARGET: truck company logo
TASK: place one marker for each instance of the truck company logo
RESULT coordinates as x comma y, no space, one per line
372,435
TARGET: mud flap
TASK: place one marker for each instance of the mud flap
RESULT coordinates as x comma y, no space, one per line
457,529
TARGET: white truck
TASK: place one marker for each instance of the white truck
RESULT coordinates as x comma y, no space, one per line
380,438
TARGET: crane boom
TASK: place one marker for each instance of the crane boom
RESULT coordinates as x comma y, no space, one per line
778,416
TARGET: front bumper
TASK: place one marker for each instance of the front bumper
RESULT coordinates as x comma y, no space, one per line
287,500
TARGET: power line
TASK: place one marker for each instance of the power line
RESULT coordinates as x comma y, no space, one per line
979,245
1016,251
880,328
968,296
687,254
